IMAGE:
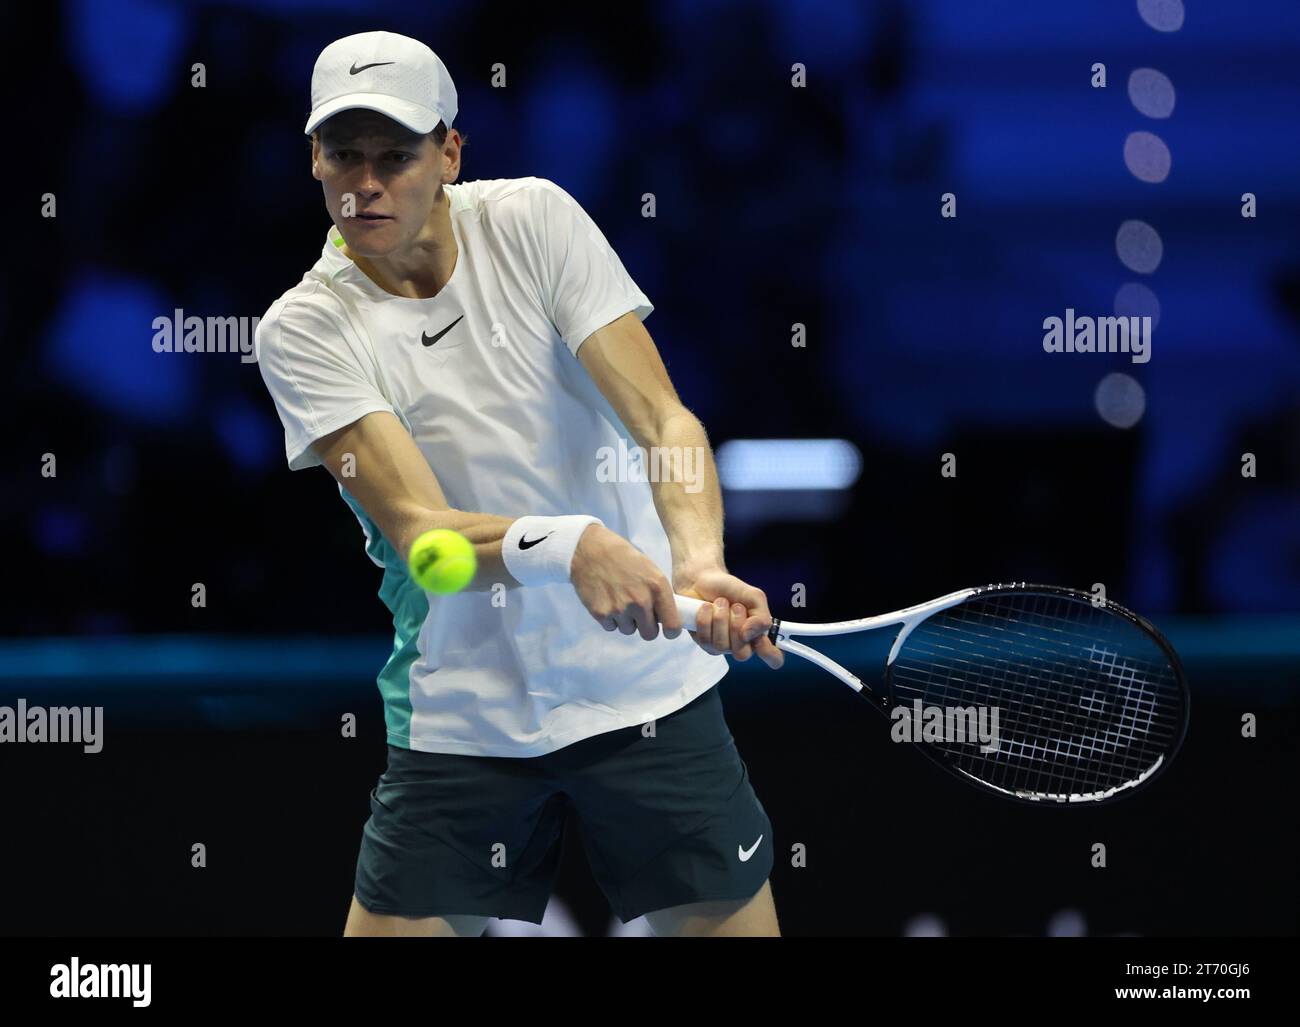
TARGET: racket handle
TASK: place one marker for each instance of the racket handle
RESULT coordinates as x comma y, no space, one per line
687,608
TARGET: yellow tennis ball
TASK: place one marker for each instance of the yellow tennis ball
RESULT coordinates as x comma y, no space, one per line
442,561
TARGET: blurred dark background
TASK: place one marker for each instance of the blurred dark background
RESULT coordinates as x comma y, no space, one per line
776,205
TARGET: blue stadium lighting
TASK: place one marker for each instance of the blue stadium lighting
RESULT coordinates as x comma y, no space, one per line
129,53
786,464
97,343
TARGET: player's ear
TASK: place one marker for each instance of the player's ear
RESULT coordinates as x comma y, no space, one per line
450,156
315,155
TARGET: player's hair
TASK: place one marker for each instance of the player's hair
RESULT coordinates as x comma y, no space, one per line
439,135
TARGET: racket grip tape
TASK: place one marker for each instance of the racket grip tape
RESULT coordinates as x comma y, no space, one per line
687,608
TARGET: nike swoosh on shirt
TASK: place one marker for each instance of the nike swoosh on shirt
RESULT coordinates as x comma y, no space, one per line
744,854
354,70
429,340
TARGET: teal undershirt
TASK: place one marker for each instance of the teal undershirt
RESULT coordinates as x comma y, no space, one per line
409,605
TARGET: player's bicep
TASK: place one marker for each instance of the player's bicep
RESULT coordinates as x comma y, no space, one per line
380,465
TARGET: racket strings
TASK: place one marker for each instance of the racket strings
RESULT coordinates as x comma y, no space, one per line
1045,721
1087,702
1046,724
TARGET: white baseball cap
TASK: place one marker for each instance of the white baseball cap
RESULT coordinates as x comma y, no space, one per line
382,71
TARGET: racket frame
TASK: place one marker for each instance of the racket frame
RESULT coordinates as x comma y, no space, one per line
885,700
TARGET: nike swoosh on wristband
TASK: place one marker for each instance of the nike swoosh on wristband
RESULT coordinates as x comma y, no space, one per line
429,340
354,70
526,544
744,854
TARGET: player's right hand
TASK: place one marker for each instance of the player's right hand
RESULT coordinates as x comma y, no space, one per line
621,587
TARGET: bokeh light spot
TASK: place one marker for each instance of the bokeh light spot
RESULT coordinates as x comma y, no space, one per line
1162,15
1139,246
1147,156
1120,400
1151,92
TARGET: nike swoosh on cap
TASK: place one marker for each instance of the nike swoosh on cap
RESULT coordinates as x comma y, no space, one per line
354,70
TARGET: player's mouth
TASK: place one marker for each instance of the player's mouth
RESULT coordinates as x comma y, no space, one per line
373,219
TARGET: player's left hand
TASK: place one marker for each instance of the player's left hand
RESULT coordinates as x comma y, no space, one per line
734,616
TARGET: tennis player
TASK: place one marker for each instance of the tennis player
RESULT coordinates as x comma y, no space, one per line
474,347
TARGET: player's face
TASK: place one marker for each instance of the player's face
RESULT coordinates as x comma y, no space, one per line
380,182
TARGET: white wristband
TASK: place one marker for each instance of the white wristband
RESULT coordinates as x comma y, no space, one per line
539,550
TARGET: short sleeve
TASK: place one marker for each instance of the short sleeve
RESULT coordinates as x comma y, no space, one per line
586,284
317,370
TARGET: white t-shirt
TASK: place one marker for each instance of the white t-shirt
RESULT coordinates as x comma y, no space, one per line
511,424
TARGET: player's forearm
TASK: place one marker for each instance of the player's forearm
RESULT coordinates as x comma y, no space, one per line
684,483
484,531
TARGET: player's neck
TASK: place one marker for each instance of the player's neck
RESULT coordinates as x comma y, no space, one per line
421,271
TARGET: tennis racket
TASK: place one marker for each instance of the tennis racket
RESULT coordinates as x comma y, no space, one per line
1035,693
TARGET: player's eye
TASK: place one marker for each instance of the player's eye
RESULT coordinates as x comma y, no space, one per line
401,156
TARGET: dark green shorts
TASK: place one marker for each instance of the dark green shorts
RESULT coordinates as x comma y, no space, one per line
664,820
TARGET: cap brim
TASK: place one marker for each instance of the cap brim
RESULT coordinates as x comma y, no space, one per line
410,115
